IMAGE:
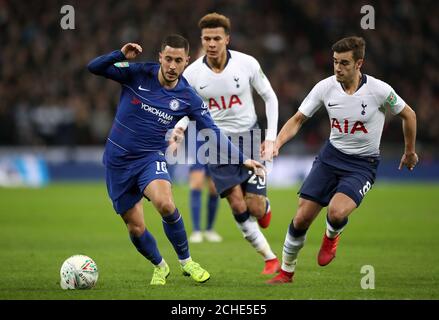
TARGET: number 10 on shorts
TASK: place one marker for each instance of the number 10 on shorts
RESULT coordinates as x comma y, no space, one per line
365,189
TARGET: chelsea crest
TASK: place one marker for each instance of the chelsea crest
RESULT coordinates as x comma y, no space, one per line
174,104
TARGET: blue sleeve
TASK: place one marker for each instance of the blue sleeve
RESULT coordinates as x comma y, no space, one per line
201,115
113,66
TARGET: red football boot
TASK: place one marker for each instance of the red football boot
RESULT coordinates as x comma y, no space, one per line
271,266
264,222
327,250
281,278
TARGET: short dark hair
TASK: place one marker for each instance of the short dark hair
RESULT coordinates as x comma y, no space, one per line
175,41
215,20
355,44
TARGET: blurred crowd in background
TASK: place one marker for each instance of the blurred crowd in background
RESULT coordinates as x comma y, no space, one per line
49,98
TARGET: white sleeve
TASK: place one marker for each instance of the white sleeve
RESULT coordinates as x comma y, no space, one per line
190,75
387,97
313,101
263,87
182,123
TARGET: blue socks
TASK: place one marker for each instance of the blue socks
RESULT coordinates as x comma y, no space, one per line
195,209
147,246
174,230
212,208
296,233
337,225
241,217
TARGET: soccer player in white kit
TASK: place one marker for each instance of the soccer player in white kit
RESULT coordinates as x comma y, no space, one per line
345,168
225,79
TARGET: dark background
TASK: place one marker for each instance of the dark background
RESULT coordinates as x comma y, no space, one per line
49,98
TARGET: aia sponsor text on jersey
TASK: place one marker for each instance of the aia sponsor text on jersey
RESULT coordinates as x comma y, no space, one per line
224,102
347,127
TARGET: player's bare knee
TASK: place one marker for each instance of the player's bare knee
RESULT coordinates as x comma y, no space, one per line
238,206
303,218
337,214
196,180
197,185
305,215
165,207
136,228
237,202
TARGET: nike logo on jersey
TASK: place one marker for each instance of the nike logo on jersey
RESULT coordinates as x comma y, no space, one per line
143,89
331,105
160,172
202,87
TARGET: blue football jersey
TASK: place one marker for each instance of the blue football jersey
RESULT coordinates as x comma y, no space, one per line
146,110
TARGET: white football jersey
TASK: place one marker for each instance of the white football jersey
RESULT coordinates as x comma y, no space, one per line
356,120
228,94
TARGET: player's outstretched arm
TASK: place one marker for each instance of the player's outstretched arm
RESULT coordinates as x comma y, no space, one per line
288,131
409,158
111,65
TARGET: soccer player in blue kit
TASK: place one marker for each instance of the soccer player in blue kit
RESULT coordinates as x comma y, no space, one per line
154,97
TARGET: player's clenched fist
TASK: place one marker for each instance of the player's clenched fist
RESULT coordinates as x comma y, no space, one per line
131,50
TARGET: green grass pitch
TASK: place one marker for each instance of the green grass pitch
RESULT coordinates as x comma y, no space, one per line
396,230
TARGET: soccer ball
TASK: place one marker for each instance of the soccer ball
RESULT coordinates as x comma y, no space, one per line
78,272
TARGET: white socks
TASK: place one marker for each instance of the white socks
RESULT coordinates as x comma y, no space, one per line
184,261
292,246
162,263
252,234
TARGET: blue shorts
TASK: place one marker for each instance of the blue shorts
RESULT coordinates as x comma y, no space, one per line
226,176
125,185
334,171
